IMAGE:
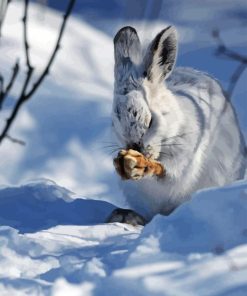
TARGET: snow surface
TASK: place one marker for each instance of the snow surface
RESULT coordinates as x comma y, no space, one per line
55,244
54,241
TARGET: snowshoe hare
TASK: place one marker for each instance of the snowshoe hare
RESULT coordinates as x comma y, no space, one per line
177,129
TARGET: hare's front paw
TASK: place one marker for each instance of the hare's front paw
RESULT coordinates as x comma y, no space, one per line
131,164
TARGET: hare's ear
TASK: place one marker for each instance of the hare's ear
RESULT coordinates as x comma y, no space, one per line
127,50
161,55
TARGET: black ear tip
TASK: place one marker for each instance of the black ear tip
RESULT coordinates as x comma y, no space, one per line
169,30
125,30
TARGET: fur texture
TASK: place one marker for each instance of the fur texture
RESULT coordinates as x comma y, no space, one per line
179,117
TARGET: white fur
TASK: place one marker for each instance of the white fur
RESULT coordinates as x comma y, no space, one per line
202,144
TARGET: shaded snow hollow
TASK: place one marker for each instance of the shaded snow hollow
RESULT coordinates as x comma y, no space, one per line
54,243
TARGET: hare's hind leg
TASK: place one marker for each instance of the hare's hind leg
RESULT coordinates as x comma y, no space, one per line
126,216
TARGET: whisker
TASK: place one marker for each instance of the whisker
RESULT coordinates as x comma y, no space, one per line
168,155
170,138
110,149
176,136
110,146
110,152
114,150
108,142
168,145
174,144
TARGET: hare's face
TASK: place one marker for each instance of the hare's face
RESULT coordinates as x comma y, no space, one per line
146,120
131,119
141,115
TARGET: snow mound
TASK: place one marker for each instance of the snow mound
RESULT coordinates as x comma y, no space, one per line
54,243
213,222
41,205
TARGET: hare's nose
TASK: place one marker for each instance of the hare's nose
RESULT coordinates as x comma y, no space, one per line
135,146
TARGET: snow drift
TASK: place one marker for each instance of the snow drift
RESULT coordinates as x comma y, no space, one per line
52,242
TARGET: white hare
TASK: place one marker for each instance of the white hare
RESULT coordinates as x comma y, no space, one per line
179,118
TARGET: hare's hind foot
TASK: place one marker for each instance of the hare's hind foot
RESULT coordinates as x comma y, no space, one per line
126,216
131,164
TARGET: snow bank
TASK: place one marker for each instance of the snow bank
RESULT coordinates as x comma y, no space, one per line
200,249
43,204
213,222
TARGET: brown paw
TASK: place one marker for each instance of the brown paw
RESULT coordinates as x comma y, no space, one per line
131,164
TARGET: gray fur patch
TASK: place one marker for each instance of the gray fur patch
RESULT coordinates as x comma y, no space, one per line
127,49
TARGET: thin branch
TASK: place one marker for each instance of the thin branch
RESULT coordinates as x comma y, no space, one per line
26,45
4,93
16,109
235,77
1,85
224,52
21,98
13,77
57,46
15,140
24,96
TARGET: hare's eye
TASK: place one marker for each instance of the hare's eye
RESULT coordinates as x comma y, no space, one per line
150,123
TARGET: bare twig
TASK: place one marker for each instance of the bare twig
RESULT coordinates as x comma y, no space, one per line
57,46
15,111
1,85
235,77
4,92
13,77
224,52
15,140
26,45
24,96
21,98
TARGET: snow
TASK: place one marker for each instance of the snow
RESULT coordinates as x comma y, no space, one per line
44,204
190,252
53,239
